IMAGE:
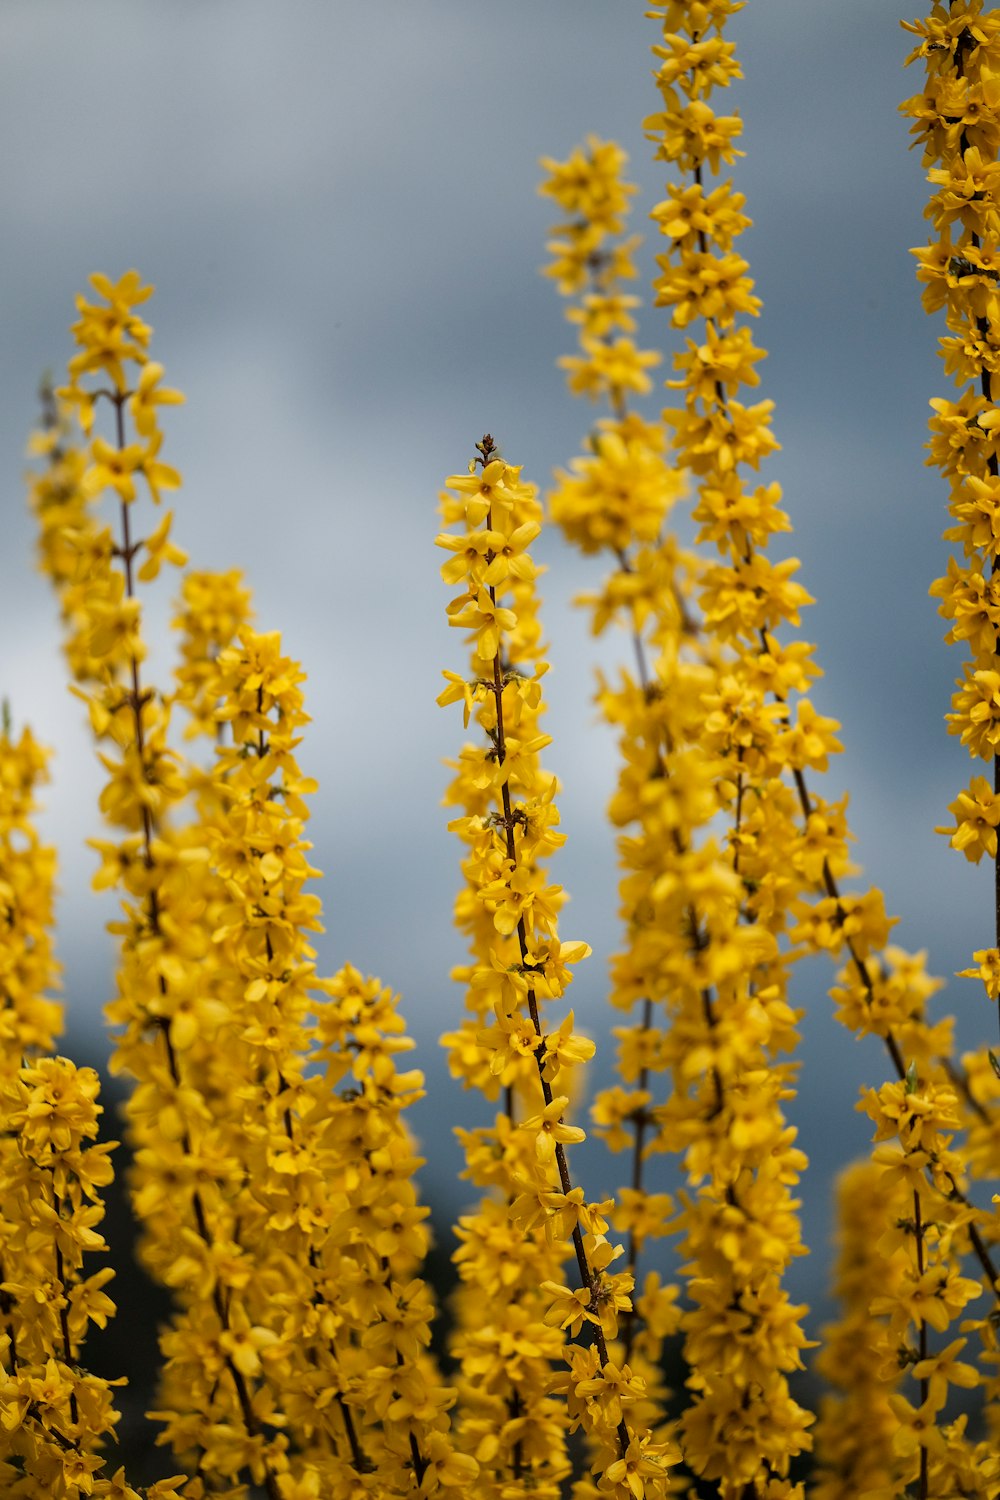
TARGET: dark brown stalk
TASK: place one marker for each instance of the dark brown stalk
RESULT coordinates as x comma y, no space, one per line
640,1119
64,1313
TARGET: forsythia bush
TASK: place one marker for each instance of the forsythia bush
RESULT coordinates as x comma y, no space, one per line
273,1176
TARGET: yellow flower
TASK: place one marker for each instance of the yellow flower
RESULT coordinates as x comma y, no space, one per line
54,1107
643,1460
976,813
588,185
160,549
245,1343
943,1369
918,1427
114,468
481,614
564,1050
158,475
147,396
571,1309
988,970
549,1130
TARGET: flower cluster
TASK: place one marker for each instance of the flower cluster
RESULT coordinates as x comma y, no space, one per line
213,607
915,1120
29,1019
308,1279
856,1428
273,1178
615,500
698,738
73,549
592,259
746,598
956,124
718,720
167,1007
508,909
55,1416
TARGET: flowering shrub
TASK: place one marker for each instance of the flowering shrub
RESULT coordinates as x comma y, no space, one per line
274,1173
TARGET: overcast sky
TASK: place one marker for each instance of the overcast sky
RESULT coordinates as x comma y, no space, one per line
337,204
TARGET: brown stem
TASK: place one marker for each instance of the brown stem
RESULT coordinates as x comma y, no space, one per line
640,1121
738,816
64,1315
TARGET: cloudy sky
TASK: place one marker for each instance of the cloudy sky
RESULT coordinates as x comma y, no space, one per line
337,205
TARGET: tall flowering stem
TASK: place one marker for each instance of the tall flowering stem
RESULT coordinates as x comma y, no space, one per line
698,738
615,502
509,909
335,1318
210,613
55,1416
30,1019
164,1006
856,1428
956,122
225,1279
73,548
365,1325
273,1179
746,596
929,1292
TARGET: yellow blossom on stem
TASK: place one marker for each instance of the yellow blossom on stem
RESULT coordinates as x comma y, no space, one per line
976,813
508,909
954,121
987,969
689,948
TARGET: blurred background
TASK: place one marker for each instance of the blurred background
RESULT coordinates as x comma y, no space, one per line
337,205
